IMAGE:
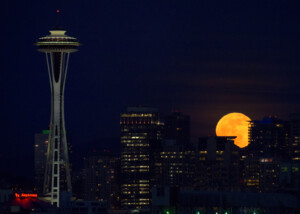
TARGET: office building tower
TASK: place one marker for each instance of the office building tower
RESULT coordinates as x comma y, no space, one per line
40,158
217,164
140,138
57,46
177,127
269,137
174,160
101,179
177,165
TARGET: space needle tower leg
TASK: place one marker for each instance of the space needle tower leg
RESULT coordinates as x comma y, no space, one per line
57,47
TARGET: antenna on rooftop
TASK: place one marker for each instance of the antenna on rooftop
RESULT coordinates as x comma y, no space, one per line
57,26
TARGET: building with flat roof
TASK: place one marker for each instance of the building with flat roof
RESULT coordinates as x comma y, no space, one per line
217,164
177,127
140,137
269,137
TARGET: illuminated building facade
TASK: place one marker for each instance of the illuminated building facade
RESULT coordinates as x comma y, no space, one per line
269,178
174,161
251,175
217,164
260,174
101,179
177,165
40,158
140,137
269,137
57,46
270,145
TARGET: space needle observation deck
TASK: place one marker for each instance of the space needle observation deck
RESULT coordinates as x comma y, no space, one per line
57,46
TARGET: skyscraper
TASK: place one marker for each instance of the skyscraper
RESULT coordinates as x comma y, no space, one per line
140,135
57,46
269,137
177,127
175,160
177,165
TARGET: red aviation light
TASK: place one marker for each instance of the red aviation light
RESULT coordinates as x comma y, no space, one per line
57,11
26,195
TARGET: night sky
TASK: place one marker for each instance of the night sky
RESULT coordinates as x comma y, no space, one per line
204,59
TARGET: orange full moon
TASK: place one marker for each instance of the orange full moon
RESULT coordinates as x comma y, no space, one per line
234,124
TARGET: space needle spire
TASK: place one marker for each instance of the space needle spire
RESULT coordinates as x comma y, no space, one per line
57,46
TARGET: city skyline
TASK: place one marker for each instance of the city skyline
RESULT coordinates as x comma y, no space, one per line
203,59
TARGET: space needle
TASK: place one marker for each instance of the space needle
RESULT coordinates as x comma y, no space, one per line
57,46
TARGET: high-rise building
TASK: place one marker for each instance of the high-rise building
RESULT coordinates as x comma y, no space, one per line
177,127
217,166
101,179
174,160
177,165
260,174
269,137
57,46
270,145
40,157
140,138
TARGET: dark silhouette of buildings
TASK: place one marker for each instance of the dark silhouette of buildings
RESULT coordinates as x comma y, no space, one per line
165,200
160,170
101,179
217,165
177,127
